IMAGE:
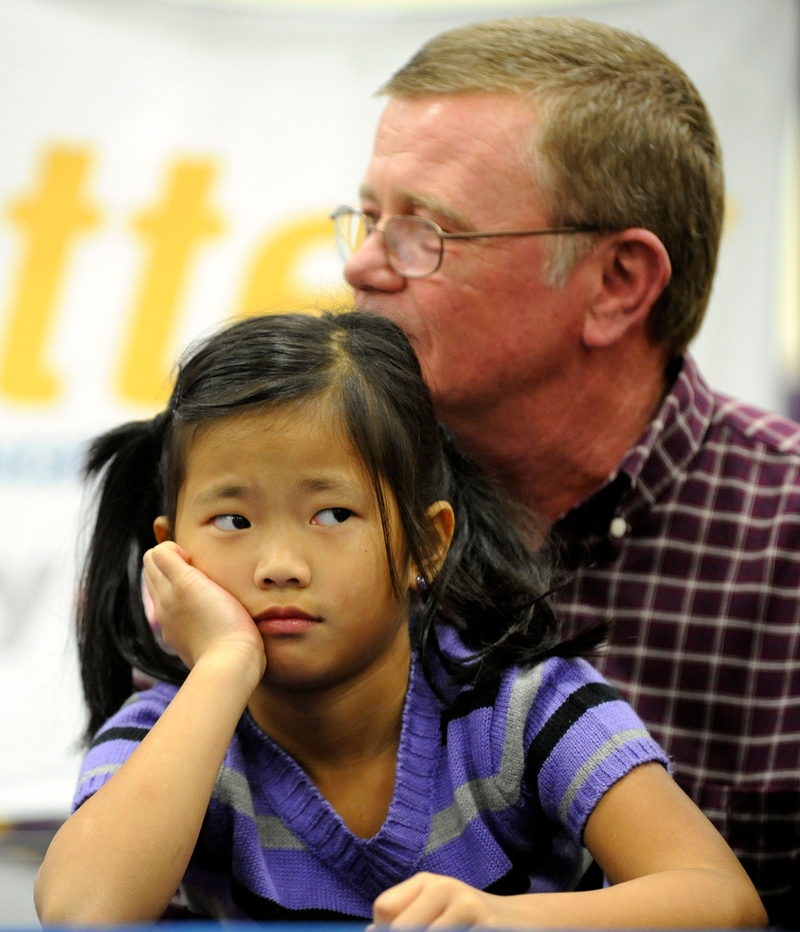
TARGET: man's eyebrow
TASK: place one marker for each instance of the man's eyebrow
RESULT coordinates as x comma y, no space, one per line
432,204
438,207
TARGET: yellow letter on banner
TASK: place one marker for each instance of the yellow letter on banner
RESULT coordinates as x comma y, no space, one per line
52,218
274,284
173,230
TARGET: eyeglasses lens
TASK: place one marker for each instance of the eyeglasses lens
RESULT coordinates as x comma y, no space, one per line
351,231
413,245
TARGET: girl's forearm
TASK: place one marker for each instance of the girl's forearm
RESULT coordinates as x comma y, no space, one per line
693,897
122,855
669,869
697,897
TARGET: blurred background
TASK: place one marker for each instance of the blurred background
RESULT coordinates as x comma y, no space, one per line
167,165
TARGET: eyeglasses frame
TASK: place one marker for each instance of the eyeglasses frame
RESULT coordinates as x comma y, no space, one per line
373,228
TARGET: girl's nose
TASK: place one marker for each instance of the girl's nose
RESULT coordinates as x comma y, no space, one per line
368,269
282,568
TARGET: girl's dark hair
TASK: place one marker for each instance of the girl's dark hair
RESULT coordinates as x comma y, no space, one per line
491,589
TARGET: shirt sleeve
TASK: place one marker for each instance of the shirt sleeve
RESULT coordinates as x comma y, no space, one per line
582,737
118,739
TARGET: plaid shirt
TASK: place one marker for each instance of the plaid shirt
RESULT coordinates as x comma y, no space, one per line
692,550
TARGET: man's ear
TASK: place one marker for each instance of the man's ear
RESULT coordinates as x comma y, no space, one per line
443,524
161,529
631,269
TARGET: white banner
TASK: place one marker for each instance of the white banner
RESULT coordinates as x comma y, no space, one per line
166,166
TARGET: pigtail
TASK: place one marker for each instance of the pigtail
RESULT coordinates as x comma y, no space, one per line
493,589
114,634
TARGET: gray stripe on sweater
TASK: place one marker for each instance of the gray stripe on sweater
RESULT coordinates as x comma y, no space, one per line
233,790
102,768
614,743
502,789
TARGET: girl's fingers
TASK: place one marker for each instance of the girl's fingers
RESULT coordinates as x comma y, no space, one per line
169,558
394,900
420,901
159,571
431,900
154,579
195,614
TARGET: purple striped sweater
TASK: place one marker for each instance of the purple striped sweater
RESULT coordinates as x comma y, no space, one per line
494,790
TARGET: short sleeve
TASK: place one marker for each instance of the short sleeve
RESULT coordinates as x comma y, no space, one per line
119,737
581,738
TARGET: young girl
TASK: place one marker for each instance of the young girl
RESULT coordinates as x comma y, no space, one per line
365,712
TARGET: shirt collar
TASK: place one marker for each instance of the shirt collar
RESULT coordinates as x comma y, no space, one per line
673,437
656,460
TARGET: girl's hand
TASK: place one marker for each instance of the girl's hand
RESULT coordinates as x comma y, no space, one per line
436,901
195,614
121,856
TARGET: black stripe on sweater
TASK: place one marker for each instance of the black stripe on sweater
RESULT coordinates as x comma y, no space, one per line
120,734
565,716
259,907
480,697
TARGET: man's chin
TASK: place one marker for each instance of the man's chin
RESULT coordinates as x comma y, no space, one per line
369,304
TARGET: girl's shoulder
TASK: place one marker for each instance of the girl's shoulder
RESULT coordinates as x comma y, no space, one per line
559,698
563,686
119,737
528,697
580,737
558,721
556,733
139,712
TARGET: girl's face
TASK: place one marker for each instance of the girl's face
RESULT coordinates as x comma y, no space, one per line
277,509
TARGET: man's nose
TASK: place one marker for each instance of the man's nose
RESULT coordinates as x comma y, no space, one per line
368,267
282,566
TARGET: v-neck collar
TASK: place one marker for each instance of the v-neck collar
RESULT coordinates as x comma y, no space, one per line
370,864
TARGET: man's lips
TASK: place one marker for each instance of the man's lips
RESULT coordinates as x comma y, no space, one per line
284,619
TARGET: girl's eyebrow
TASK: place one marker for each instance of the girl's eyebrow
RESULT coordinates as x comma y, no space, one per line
233,492
222,492
331,484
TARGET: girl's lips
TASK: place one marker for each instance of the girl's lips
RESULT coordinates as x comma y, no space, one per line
284,620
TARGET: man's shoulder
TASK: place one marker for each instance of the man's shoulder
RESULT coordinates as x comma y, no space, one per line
742,466
751,427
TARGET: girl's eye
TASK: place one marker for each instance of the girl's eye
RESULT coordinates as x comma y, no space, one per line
231,522
331,516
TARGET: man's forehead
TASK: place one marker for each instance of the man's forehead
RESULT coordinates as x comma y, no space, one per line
457,156
470,114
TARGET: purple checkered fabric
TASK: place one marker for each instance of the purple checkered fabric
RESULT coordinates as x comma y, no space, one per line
692,551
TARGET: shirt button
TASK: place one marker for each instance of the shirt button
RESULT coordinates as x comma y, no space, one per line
618,528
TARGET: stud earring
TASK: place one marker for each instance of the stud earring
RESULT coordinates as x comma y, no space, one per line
422,583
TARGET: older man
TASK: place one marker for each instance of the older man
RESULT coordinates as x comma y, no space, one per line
542,214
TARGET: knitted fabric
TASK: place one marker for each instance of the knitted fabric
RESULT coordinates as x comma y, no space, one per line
494,790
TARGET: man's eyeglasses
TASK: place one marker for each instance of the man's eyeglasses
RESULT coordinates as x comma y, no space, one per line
414,245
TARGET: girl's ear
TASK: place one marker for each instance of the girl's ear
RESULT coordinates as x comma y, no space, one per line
443,524
161,529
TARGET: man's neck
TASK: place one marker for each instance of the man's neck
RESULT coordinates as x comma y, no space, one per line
552,446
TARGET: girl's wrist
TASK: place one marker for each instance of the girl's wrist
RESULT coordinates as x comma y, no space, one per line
235,665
